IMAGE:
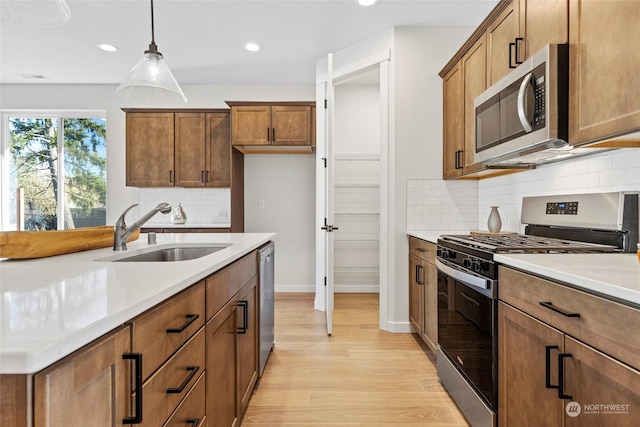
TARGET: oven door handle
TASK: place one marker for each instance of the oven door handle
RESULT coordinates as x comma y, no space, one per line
470,279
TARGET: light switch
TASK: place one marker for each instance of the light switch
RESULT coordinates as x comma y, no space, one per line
260,204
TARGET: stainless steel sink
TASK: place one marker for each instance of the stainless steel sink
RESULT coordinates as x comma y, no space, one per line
180,252
171,254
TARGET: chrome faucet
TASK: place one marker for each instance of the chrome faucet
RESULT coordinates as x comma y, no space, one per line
120,231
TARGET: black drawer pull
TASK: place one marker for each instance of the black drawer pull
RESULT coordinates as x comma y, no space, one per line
548,366
421,250
549,305
419,281
512,47
190,319
182,386
193,421
137,418
517,44
561,394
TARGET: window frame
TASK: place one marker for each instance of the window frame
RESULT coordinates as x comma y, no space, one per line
4,153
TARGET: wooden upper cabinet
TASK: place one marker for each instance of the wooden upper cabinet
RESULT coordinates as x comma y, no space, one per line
453,129
218,153
251,125
190,149
501,43
182,148
543,22
291,125
604,64
258,125
92,387
150,149
474,71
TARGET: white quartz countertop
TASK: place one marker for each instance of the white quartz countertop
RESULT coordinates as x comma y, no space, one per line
50,307
613,274
433,235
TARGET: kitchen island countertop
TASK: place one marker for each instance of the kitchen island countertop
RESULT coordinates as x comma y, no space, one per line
50,307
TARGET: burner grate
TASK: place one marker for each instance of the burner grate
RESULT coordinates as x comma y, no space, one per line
519,243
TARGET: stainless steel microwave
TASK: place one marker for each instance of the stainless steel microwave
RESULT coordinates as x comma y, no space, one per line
524,117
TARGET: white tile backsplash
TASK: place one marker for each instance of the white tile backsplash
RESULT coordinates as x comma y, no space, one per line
465,205
202,205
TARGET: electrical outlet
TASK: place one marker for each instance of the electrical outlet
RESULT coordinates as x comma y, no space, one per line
260,204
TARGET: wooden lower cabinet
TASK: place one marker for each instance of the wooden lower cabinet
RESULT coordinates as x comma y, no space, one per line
248,342
91,387
222,386
423,291
598,389
191,412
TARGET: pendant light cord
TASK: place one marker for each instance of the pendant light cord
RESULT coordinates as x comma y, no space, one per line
152,46
153,40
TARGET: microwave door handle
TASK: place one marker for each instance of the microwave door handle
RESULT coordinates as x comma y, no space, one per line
522,114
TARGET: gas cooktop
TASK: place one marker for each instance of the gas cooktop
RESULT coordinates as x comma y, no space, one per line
520,243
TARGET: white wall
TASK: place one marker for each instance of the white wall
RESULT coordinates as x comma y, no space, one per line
300,170
286,184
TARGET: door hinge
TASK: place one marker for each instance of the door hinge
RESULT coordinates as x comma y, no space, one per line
325,280
324,159
325,103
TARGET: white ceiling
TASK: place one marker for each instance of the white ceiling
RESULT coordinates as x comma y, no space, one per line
202,40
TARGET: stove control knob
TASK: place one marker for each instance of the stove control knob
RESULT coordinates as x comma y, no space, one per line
476,266
467,263
443,253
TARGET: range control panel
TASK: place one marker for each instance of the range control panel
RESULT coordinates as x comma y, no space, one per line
562,208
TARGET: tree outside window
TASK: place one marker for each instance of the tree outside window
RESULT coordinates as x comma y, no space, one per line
57,172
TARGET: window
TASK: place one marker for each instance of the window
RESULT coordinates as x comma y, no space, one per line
54,170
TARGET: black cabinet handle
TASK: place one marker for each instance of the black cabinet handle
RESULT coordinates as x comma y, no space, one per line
201,176
206,177
192,372
561,394
137,357
418,269
273,134
190,319
245,305
512,48
548,366
193,421
268,134
170,176
517,43
550,306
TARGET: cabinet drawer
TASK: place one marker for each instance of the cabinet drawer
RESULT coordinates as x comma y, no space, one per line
422,249
171,383
159,332
191,412
611,327
224,284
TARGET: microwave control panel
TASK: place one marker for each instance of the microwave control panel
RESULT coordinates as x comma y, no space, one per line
540,96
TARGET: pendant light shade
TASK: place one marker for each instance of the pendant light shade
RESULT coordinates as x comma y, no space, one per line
150,81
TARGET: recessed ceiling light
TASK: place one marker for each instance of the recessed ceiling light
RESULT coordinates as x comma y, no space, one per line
107,47
252,47
366,2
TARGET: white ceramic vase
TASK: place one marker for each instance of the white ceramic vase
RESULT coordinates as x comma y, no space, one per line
178,216
494,222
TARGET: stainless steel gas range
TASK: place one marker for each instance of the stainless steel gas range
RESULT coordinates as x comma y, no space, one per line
468,283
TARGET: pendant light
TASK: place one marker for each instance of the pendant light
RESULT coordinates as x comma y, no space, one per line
150,81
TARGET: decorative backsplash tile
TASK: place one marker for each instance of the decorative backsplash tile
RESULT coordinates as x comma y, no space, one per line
202,205
434,204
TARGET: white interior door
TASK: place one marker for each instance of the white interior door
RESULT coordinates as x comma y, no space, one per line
328,225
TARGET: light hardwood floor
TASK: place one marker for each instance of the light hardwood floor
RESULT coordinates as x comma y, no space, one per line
359,376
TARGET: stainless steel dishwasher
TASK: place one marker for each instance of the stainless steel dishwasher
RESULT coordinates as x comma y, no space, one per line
266,263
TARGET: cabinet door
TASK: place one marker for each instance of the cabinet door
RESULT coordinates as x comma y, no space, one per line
500,34
430,306
595,380
523,398
543,22
92,387
221,370
218,171
453,127
604,64
474,70
150,149
250,125
248,339
190,148
291,125
416,292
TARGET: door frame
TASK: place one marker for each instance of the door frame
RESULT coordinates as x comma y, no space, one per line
337,76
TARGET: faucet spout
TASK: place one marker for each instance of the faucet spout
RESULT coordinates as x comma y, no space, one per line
121,232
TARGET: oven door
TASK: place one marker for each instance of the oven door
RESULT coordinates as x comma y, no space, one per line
467,330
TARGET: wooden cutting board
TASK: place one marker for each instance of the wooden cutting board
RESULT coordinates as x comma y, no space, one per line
39,244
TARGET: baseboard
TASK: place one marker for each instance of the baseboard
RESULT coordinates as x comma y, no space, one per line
398,327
